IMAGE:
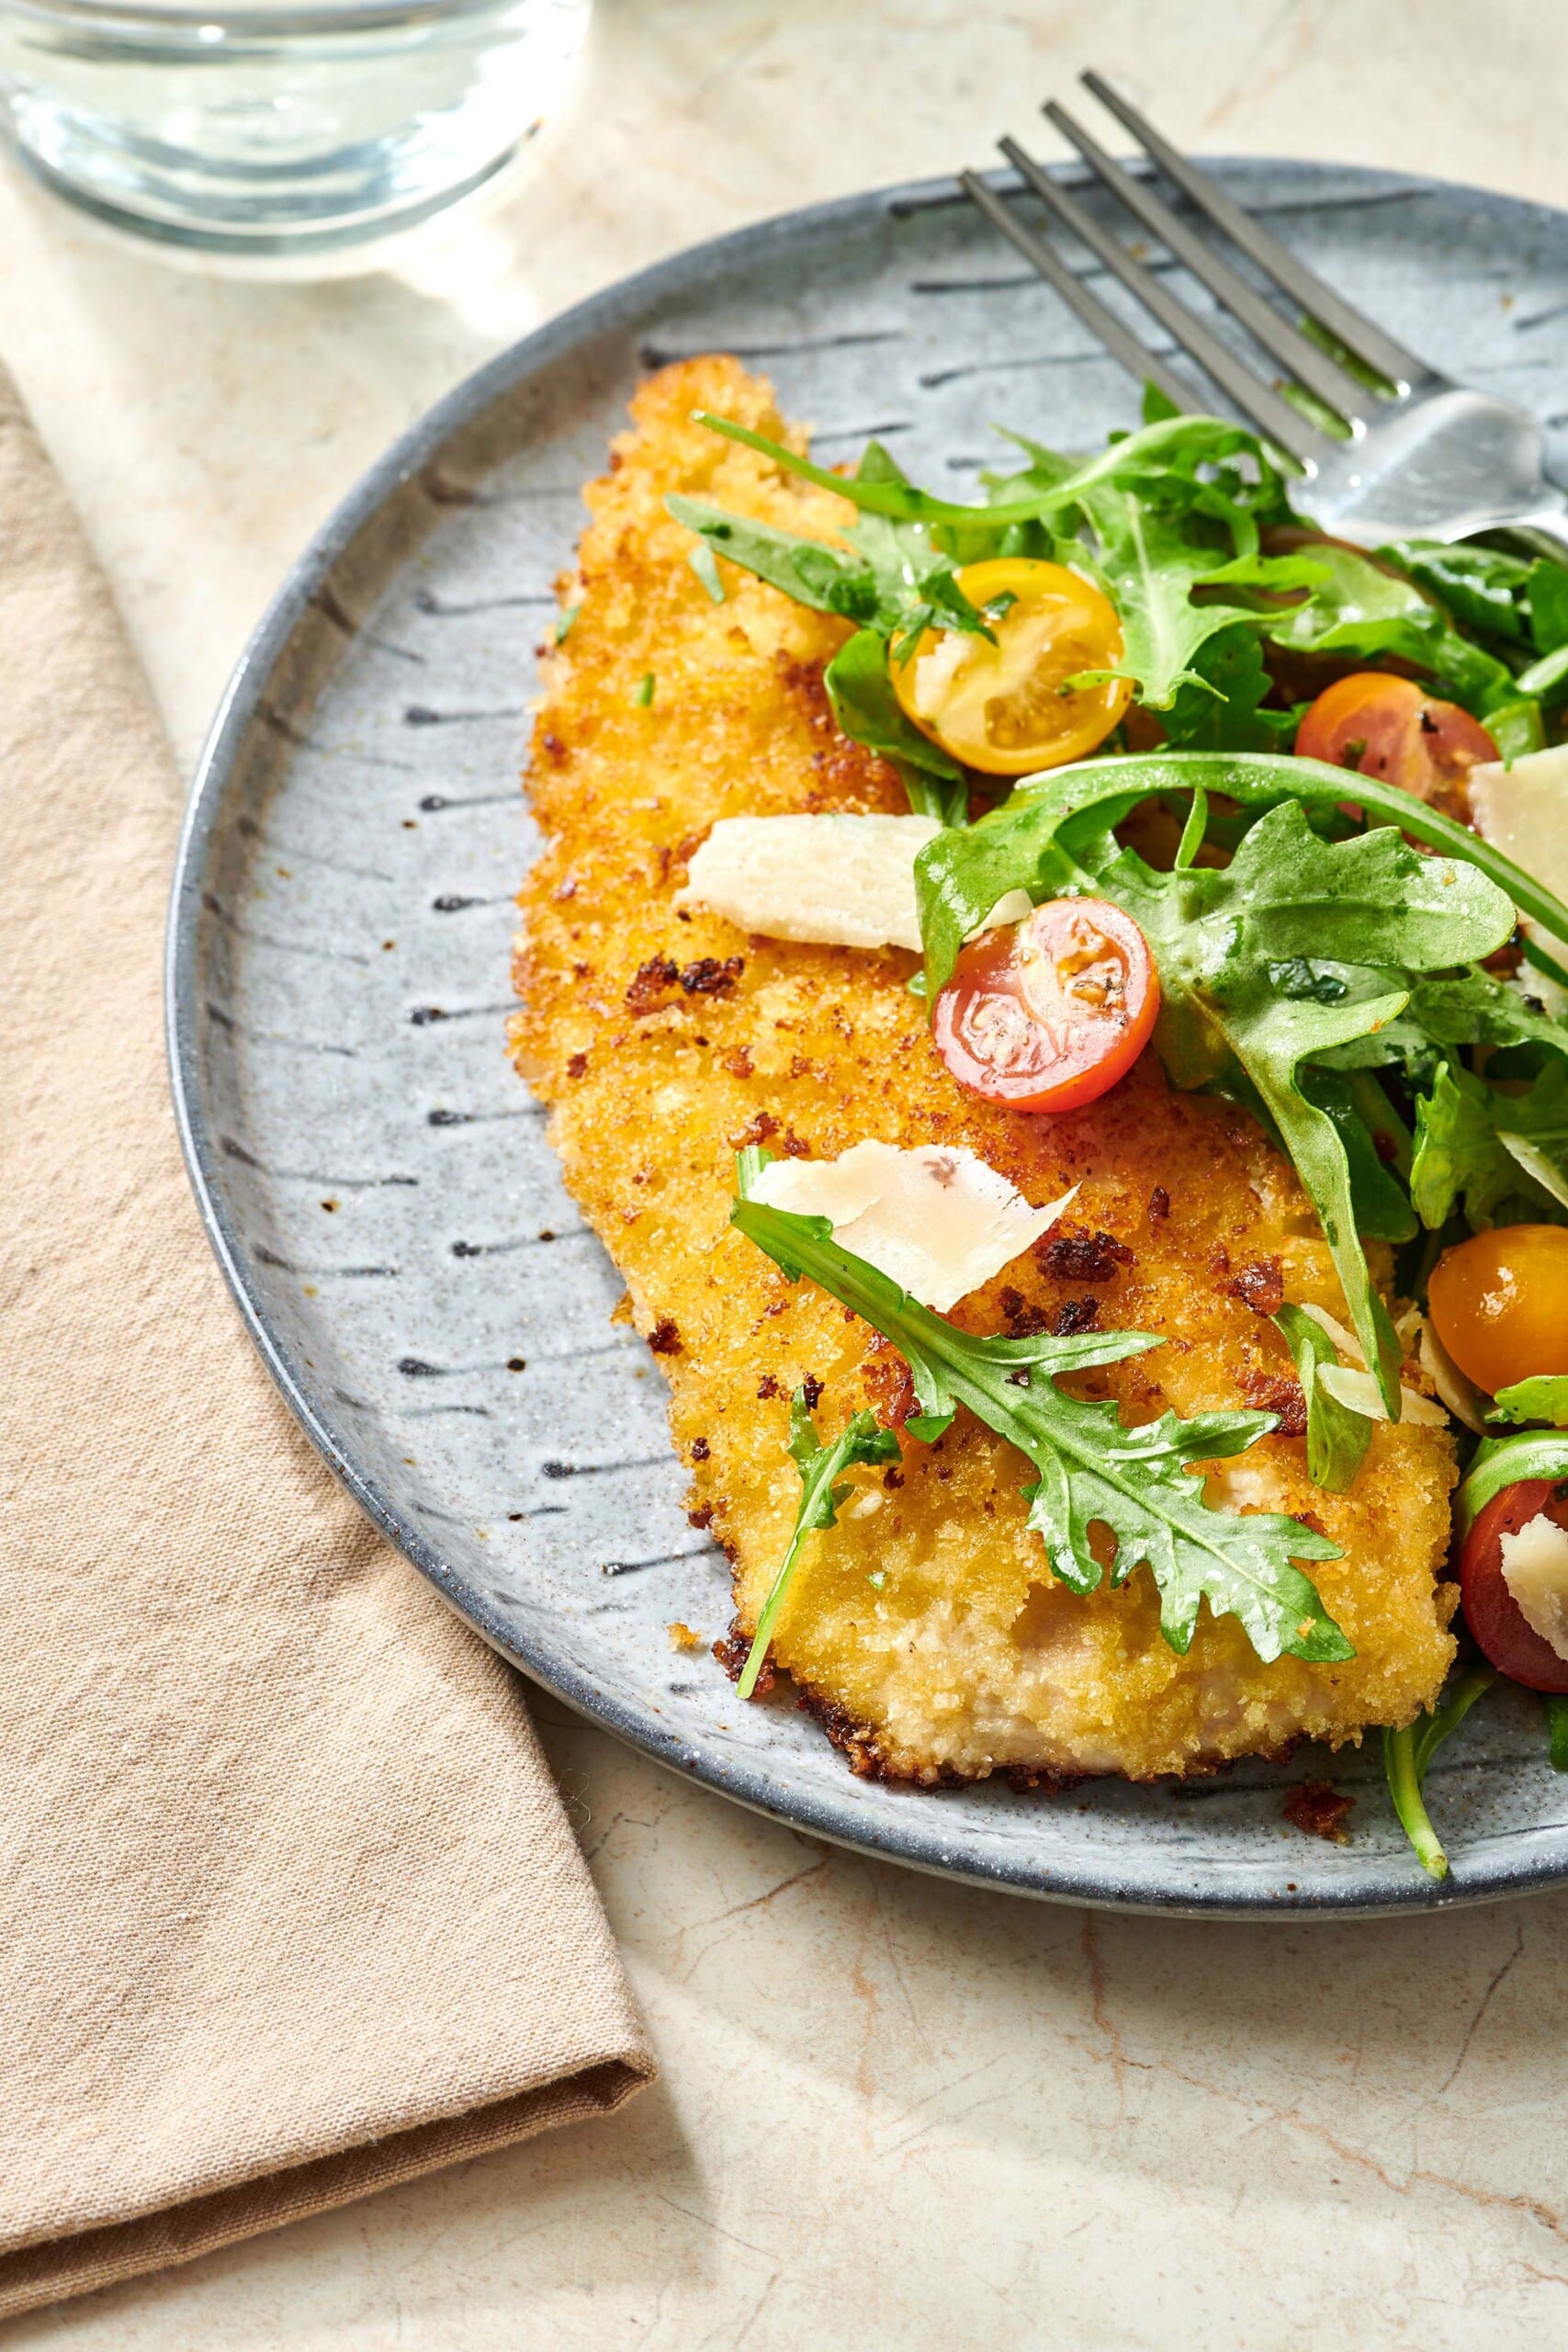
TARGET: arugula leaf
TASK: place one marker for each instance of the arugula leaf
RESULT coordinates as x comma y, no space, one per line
1542,1397
1475,1009
1218,706
1090,1468
1154,406
1328,420
1337,1438
1187,442
1517,728
1018,844
1407,1754
1543,676
1227,940
1478,1147
917,588
1152,566
1519,605
1379,1202
1360,371
806,569
820,1501
1214,937
1484,588
1157,534
1547,596
1500,1462
1557,1731
894,582
1196,466
1511,602
1354,608
1459,1160
1166,512
861,691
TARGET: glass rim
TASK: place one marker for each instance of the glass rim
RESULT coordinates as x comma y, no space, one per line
125,16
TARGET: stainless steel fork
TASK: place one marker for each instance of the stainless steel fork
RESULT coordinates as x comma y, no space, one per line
1420,456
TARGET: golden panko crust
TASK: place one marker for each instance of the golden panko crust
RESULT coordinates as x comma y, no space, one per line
663,1039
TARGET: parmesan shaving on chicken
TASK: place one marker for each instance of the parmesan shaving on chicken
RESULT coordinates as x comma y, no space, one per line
843,881
1353,1385
936,1220
834,881
1360,1391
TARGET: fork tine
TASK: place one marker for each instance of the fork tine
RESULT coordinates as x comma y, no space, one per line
1357,333
1103,324
1271,414
1310,365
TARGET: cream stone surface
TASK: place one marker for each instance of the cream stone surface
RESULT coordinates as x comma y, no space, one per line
893,2112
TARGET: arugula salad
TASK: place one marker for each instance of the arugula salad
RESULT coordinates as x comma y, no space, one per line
1200,781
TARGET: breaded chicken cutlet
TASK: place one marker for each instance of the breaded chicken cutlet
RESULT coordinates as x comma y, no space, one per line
926,1629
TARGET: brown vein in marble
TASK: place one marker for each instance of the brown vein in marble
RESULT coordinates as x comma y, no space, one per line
1114,2054
1498,1979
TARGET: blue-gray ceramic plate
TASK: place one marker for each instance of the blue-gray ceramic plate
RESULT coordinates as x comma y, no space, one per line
377,1182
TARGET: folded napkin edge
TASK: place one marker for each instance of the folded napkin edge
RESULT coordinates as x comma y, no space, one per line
57,2267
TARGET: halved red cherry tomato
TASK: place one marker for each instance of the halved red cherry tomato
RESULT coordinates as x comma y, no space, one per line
1390,728
1005,707
1499,1304
1047,1013
1494,1616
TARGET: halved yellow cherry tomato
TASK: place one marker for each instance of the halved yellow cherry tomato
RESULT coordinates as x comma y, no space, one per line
1005,708
1499,1304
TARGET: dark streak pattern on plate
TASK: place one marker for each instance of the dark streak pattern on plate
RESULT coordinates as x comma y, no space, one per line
382,1195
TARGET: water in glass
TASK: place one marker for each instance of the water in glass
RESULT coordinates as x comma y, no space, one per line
273,126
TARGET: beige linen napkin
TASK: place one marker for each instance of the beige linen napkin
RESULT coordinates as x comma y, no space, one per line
288,1907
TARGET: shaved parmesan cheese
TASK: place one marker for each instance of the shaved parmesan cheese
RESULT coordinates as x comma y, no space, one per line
1459,1395
1408,1328
1346,1342
836,881
1523,811
1358,1390
1535,1162
1535,1569
840,881
1011,907
937,1221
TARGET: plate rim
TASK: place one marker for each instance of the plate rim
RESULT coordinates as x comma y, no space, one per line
745,1784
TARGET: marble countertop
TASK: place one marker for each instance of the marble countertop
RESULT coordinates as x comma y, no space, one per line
892,2110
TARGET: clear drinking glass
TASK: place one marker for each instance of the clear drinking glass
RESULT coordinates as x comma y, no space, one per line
275,129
